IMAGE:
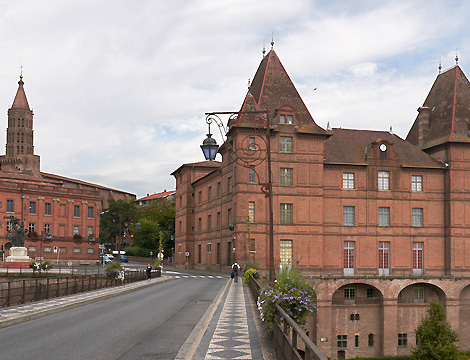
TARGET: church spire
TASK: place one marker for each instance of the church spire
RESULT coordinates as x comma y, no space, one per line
20,101
20,126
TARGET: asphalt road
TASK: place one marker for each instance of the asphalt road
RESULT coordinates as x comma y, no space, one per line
151,323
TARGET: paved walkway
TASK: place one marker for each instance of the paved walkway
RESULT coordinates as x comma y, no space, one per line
230,328
232,331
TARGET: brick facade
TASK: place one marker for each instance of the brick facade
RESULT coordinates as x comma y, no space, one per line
61,213
379,223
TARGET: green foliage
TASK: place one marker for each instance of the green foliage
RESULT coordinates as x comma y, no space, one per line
399,357
136,251
147,236
114,270
436,340
247,274
115,219
46,265
293,294
162,213
252,265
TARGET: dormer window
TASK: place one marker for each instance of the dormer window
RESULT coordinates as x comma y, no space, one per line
383,151
286,119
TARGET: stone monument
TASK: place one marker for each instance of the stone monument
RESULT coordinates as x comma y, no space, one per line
18,252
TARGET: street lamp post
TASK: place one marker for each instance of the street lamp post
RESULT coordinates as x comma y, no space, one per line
210,148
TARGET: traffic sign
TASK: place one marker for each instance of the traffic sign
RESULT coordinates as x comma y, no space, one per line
187,253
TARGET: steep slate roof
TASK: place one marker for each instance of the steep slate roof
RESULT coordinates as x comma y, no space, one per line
351,147
449,101
272,89
20,101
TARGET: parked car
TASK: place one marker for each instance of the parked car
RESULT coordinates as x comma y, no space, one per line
106,258
124,258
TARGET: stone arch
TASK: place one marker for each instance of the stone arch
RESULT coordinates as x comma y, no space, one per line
420,293
464,318
357,293
357,315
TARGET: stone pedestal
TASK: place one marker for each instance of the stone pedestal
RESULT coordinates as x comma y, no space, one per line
18,254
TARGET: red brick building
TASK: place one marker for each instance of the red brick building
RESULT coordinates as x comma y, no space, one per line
60,213
380,223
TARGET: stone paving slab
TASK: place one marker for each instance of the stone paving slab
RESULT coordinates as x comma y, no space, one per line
234,331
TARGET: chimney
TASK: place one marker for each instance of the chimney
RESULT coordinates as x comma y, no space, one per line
423,124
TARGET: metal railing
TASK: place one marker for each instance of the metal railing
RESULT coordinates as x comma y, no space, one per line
16,292
286,334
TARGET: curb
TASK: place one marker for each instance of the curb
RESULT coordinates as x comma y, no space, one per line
189,347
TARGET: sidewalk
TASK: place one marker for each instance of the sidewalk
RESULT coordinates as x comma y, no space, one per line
34,310
230,329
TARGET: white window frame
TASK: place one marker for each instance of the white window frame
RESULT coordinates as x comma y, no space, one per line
416,183
286,176
384,258
251,211
349,216
417,217
286,249
286,144
286,214
418,257
349,253
383,180
384,216
348,180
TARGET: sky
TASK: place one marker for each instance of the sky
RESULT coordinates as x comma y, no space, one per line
119,88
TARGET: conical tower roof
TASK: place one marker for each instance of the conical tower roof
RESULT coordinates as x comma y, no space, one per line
20,101
273,89
449,111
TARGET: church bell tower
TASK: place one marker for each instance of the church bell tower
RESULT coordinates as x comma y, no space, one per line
19,138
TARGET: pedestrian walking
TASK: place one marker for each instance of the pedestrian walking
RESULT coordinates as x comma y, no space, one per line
235,268
149,271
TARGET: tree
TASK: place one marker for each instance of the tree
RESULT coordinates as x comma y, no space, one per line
435,338
162,212
116,219
147,236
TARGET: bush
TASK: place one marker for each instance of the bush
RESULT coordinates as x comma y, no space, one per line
35,266
136,251
46,265
249,272
114,270
295,296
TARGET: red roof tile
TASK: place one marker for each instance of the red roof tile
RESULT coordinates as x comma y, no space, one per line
272,89
449,104
352,147
20,101
159,195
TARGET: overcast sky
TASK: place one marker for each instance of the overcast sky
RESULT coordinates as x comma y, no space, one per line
119,88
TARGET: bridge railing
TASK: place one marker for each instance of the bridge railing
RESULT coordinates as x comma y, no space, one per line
22,291
289,340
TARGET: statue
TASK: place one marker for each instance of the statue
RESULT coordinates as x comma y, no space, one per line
19,233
